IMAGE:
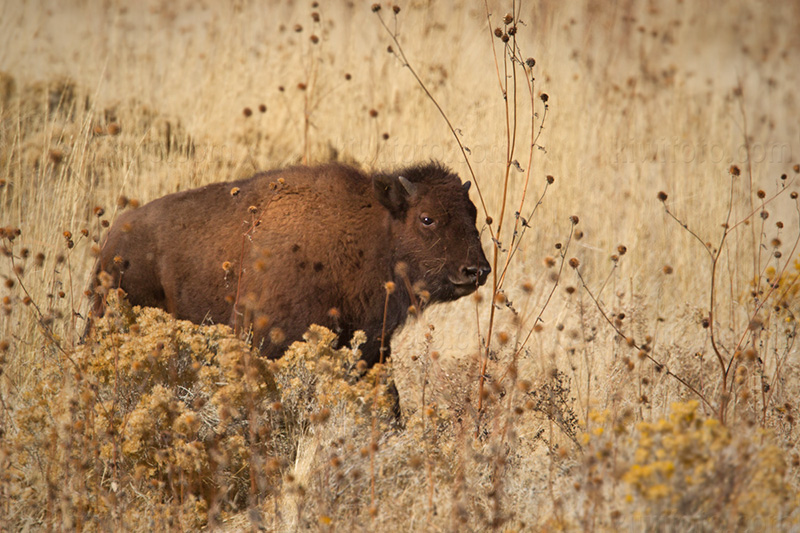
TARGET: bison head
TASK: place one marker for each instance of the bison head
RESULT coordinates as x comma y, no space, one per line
433,230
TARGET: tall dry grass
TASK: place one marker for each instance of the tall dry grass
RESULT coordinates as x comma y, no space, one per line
637,400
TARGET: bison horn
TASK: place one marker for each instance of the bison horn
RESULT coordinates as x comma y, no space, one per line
466,185
410,188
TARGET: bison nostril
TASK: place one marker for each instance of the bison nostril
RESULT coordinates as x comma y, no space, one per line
477,273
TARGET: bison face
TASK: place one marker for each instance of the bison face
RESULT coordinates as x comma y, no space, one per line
433,230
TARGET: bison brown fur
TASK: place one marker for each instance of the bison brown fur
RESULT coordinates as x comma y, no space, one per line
285,249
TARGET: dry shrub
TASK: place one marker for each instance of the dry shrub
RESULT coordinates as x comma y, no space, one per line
687,471
156,422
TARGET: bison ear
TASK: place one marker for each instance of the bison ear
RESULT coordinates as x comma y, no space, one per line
392,192
466,185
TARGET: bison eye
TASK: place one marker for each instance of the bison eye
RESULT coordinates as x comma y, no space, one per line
426,220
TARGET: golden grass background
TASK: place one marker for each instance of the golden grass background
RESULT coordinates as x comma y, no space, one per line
102,99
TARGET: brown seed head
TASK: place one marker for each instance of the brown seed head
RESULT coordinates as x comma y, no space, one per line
498,32
234,191
247,112
508,19
574,219
621,249
761,194
734,170
298,28
390,287
376,8
262,108
373,113
544,97
396,9
667,270
323,415
277,336
574,263
261,322
530,62
755,324
114,128
314,39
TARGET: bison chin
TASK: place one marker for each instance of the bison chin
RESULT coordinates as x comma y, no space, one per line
457,290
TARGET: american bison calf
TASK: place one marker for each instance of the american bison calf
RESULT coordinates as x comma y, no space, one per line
283,250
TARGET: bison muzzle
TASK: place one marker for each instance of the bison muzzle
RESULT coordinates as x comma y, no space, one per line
285,249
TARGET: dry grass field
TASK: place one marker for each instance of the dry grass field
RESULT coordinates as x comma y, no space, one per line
630,365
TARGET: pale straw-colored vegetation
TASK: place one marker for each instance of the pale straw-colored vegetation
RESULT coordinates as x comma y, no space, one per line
630,364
